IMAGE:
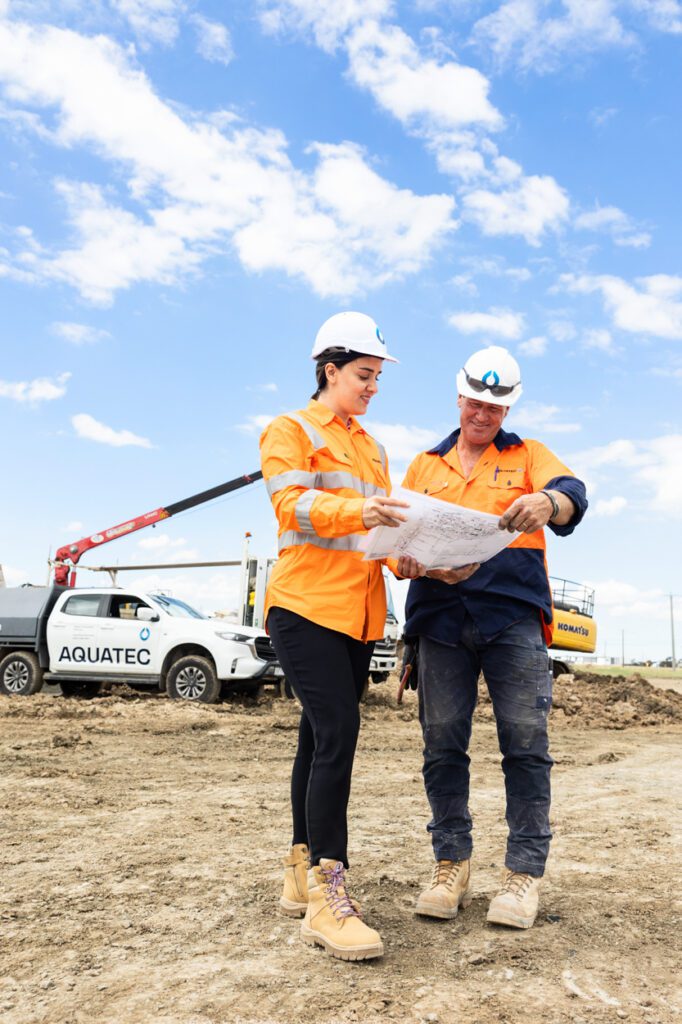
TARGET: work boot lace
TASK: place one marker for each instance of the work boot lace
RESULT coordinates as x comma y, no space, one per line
517,883
339,901
445,872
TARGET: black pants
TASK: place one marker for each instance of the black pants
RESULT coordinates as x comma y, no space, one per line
327,671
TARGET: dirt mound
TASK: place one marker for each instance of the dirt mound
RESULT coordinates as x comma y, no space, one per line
585,699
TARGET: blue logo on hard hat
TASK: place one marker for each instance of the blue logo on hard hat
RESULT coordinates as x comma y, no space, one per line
380,337
495,378
145,633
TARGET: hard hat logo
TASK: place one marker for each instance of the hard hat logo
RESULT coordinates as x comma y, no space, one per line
499,386
380,337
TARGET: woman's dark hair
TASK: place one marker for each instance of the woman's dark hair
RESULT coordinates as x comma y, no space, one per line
339,357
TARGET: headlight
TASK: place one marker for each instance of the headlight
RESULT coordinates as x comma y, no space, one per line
241,638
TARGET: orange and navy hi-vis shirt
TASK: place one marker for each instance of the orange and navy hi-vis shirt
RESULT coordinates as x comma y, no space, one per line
511,585
318,473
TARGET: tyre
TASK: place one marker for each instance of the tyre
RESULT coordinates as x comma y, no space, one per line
193,678
20,674
559,668
86,689
378,677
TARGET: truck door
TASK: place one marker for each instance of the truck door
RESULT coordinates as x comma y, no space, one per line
131,643
72,634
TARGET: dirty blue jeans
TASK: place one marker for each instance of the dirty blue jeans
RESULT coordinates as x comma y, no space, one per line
517,671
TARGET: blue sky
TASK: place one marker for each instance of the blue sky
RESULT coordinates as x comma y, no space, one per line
188,189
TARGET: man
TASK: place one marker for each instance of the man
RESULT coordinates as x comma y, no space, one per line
495,618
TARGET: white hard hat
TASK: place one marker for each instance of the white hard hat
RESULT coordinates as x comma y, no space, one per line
355,332
491,375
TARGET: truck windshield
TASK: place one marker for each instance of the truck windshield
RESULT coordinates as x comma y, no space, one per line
178,609
390,609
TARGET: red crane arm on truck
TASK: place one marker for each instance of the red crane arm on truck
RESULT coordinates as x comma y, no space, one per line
68,556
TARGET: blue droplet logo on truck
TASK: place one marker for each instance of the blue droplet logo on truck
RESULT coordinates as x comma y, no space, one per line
144,633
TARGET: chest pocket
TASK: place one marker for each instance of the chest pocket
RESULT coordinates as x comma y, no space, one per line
435,487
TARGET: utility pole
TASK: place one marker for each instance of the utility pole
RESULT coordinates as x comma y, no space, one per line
622,646
672,632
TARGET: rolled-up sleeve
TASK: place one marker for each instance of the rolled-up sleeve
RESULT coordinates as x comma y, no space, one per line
574,489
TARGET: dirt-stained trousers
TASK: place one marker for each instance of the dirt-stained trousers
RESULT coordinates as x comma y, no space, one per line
517,671
327,671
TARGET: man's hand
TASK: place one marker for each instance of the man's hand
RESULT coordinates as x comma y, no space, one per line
454,575
527,514
379,511
409,568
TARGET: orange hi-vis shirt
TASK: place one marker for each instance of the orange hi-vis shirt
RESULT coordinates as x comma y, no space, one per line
515,581
318,473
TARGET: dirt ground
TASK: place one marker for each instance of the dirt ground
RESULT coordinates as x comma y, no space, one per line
141,868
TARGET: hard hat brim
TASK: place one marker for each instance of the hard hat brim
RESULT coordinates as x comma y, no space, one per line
486,396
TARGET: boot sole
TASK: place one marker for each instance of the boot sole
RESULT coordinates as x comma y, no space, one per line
341,952
291,908
511,921
426,909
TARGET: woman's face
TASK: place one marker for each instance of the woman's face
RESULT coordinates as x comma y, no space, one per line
351,387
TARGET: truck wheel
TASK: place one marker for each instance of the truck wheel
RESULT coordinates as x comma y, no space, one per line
86,689
193,678
379,677
559,668
20,674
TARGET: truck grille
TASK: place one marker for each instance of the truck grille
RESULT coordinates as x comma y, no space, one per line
264,648
387,646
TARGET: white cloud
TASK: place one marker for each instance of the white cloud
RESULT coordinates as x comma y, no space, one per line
206,590
502,323
269,388
78,334
562,330
652,467
159,541
74,527
610,506
652,308
213,40
541,419
618,598
518,32
42,389
439,100
14,577
88,427
254,424
613,221
201,187
599,338
535,205
152,20
533,346
402,442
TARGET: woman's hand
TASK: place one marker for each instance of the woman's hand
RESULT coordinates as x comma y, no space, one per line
409,568
380,511
454,575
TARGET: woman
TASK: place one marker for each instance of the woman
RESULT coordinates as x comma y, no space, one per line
325,607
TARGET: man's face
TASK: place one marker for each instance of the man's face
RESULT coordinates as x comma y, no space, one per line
479,421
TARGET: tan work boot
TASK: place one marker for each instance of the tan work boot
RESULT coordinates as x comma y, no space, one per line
516,904
333,919
294,899
450,889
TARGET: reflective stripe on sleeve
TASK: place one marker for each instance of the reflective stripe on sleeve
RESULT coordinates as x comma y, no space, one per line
382,454
291,538
302,510
316,440
322,481
292,478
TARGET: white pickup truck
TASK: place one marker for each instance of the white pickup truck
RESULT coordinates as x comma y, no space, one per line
84,638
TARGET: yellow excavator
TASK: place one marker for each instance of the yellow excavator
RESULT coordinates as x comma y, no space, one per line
575,630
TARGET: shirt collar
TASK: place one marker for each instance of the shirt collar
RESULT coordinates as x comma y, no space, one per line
323,415
503,439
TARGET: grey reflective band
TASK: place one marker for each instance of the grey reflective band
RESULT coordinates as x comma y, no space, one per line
322,481
290,538
292,478
382,453
316,440
302,510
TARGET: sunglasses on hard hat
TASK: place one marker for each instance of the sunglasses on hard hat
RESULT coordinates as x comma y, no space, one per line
497,390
